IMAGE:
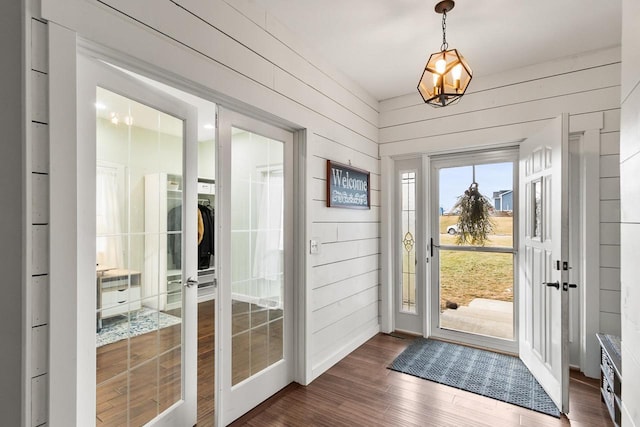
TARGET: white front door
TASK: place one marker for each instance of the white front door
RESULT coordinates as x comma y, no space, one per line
409,290
145,239
543,272
254,261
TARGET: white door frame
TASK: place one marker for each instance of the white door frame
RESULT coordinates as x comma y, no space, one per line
78,164
588,128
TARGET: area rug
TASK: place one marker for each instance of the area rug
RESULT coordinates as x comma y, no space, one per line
140,322
482,372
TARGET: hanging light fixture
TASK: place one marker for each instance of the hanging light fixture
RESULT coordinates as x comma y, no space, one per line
446,75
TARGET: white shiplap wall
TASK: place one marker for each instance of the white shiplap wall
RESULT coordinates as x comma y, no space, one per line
630,208
610,225
244,58
506,108
345,274
38,281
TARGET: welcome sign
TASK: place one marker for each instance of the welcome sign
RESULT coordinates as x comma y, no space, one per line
347,187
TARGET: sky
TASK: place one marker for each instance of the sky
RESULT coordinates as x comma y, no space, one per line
490,177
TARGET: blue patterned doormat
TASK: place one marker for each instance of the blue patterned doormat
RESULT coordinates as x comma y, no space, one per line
482,372
140,322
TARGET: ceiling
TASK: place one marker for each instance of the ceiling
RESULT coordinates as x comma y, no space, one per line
383,45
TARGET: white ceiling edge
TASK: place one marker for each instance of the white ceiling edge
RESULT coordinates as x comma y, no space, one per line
382,45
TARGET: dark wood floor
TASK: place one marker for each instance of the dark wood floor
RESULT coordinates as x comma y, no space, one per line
361,391
206,364
358,391
140,378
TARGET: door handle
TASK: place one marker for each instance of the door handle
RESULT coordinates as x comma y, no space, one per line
190,282
432,245
566,286
555,284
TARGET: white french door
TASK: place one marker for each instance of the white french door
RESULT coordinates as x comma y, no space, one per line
254,261
145,249
544,270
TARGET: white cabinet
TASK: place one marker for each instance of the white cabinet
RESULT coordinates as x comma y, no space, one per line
611,375
118,292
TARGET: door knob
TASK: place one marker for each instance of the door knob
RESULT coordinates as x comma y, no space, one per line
566,286
555,284
190,282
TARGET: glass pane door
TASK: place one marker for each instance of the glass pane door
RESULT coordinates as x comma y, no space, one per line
255,277
257,253
145,247
474,247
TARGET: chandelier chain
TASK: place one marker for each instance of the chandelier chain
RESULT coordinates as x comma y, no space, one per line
444,45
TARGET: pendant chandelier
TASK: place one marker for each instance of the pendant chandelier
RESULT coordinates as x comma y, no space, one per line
446,75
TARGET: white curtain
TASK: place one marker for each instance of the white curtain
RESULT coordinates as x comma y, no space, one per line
267,257
109,245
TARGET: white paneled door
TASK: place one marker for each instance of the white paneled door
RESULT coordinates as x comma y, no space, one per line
254,261
543,269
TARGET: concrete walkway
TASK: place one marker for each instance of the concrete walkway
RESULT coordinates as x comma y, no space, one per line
482,316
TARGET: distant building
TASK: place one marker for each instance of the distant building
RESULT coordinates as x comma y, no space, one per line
503,200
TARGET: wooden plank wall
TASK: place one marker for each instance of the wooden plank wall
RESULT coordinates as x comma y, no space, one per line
506,108
630,208
38,187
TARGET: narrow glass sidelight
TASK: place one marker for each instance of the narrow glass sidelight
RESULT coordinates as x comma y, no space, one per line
408,242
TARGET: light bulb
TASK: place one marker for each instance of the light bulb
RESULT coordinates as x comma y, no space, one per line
441,65
456,73
436,78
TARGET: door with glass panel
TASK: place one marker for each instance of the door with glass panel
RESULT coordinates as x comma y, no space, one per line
254,261
146,249
409,297
473,248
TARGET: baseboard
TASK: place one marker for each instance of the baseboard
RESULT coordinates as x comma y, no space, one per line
343,352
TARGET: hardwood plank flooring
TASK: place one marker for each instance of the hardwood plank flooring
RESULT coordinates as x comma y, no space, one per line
140,378
361,391
358,391
206,364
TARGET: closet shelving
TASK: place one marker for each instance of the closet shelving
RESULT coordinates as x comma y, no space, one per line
163,270
207,276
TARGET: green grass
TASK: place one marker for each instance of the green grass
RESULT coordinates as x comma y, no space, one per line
468,275
465,276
